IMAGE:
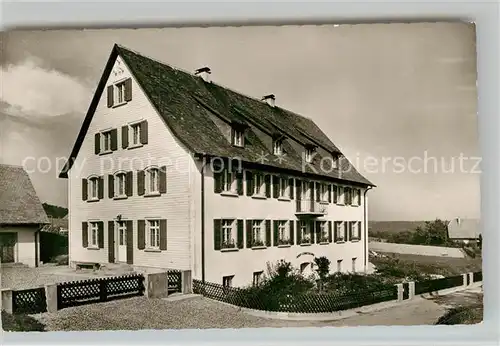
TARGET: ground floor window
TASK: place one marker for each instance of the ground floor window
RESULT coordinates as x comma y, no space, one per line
227,281
257,233
7,245
227,234
257,278
153,239
94,234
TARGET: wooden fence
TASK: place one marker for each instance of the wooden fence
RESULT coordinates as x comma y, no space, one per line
99,290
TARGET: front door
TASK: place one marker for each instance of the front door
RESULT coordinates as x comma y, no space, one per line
122,241
7,243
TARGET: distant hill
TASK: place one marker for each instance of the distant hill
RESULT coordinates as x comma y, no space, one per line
393,226
54,211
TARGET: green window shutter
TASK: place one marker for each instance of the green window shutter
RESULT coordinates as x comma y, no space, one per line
163,234
249,233
299,233
163,179
124,137
360,230
129,183
217,234
239,183
249,178
111,241
268,233
317,232
114,139
276,184
130,241
291,187
144,132
330,237
276,235
141,234
350,230
101,188
318,192
292,231
85,234
329,193
110,90
84,190
267,182
140,183
111,186
100,234
335,193
128,90
346,227
335,229
240,234
97,143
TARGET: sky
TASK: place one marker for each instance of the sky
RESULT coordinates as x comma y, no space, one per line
391,96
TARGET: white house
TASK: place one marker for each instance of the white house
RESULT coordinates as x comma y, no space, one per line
464,230
21,218
170,170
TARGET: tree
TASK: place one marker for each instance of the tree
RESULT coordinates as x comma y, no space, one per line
322,269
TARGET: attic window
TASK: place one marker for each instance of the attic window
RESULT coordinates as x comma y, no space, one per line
278,147
119,93
238,137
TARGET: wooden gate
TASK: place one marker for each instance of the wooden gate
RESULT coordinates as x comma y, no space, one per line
7,243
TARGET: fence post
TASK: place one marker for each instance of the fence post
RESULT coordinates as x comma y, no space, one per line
471,278
51,297
400,292
7,300
411,287
156,285
187,282
102,290
465,279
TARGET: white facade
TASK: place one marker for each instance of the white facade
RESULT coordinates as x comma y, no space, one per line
181,205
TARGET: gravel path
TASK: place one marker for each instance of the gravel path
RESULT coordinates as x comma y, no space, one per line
200,313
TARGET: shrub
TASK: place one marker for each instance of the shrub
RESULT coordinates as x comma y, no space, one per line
393,269
351,283
462,315
20,323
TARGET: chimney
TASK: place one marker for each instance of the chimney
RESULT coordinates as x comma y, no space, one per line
270,99
204,73
458,221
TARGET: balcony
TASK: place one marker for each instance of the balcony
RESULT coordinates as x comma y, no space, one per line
311,208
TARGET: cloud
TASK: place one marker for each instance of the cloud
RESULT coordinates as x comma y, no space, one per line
32,90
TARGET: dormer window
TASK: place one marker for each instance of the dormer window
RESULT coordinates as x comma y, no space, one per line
278,147
238,137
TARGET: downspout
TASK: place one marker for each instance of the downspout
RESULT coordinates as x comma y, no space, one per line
203,219
365,243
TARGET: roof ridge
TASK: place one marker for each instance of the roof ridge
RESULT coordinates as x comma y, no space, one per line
217,84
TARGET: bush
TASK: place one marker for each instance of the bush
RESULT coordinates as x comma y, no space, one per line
462,315
393,269
352,283
20,323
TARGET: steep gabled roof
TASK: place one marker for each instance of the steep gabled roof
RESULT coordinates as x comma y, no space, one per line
19,203
187,104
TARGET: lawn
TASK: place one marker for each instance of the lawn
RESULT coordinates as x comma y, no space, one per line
446,266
